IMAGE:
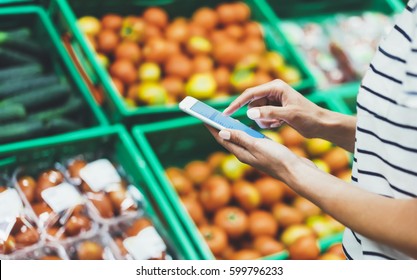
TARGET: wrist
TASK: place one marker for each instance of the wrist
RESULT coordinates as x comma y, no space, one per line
326,121
291,168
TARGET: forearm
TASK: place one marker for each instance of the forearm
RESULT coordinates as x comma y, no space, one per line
337,128
389,221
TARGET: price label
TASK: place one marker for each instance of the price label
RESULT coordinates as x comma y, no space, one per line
62,197
100,174
146,245
10,204
10,207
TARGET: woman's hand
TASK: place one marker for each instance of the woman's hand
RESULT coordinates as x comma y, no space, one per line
274,103
263,154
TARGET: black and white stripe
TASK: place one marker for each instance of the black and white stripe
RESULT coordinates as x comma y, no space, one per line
386,132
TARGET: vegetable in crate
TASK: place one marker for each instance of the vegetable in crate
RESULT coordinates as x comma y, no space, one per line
33,101
58,205
96,247
102,185
155,60
19,40
136,238
29,128
244,214
16,86
48,251
19,230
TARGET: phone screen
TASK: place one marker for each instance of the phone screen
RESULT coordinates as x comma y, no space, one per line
223,120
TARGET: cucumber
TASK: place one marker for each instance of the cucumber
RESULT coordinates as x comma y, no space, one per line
60,125
26,47
21,33
21,130
71,106
39,97
12,113
10,57
20,71
34,128
16,85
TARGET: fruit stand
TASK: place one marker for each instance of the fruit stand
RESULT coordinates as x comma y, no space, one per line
89,94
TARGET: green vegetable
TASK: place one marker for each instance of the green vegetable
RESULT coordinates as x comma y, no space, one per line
71,106
27,47
60,125
21,130
34,128
10,57
20,71
39,97
12,113
16,86
21,33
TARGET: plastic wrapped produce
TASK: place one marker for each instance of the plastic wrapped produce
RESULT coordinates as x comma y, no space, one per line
18,229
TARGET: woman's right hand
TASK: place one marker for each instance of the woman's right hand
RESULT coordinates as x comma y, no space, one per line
274,103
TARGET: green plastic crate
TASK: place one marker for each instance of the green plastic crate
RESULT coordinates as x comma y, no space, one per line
66,13
37,20
179,141
302,11
17,2
307,8
115,144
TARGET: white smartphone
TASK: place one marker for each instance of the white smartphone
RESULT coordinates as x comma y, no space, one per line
214,118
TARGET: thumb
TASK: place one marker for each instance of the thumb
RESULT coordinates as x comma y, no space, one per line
267,112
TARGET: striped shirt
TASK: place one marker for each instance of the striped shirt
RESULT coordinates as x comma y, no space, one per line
385,154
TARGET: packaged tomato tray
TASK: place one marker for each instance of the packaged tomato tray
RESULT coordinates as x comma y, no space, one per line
60,208
93,247
18,229
106,191
65,211
138,239
42,251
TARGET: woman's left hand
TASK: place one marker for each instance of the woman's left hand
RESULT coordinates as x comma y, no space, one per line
263,154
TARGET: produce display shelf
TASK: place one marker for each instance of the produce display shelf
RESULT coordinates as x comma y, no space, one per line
180,141
36,19
66,12
115,144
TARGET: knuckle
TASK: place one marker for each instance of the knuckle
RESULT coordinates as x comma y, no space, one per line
281,84
278,82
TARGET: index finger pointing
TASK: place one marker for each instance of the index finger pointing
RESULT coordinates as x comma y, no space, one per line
249,95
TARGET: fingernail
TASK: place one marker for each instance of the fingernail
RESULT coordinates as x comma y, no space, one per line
224,134
254,113
274,125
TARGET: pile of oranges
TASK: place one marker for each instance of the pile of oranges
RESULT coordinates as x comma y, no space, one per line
243,213
216,52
